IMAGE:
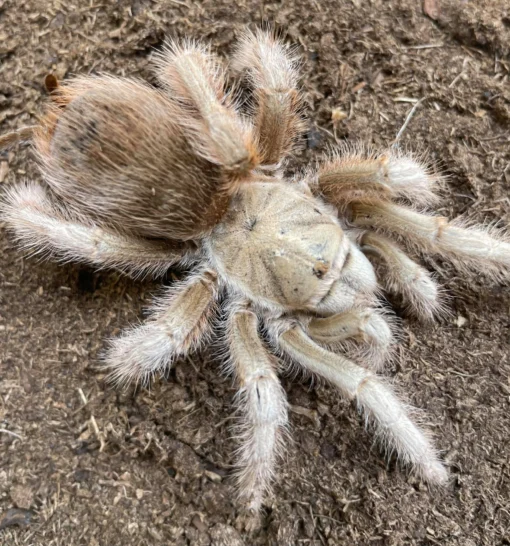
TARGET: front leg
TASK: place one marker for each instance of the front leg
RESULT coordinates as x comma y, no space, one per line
356,174
401,275
476,248
364,333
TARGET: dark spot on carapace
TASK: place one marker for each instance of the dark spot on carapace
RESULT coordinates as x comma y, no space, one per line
250,224
320,269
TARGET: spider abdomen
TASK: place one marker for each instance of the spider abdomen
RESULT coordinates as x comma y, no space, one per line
114,151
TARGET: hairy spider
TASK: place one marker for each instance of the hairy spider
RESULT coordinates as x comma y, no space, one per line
140,179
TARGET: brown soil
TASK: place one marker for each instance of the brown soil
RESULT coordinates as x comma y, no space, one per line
162,476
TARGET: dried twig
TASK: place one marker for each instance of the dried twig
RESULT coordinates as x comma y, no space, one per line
98,433
5,431
406,122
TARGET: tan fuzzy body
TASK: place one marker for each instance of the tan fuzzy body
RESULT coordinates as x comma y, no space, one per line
115,152
140,179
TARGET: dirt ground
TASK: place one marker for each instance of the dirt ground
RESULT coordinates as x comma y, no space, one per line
162,475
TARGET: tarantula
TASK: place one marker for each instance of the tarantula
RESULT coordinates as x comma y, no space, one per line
140,179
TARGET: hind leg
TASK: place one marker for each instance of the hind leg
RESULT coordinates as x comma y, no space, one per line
271,69
41,228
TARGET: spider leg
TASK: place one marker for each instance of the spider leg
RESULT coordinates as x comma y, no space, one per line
354,174
474,247
401,275
263,405
195,78
394,426
181,319
272,71
43,229
364,332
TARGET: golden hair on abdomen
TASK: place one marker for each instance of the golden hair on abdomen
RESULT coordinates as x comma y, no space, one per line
113,149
